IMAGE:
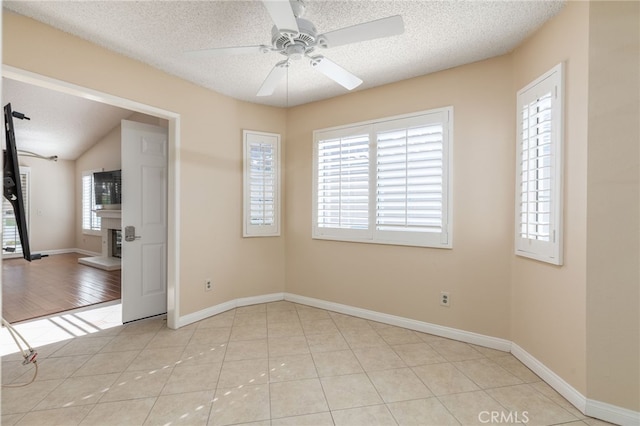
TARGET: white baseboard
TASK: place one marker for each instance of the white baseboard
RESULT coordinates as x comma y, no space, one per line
612,413
597,409
254,300
424,327
226,306
53,252
85,252
67,250
551,378
590,407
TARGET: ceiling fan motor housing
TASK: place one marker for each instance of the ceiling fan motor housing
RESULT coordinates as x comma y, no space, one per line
304,40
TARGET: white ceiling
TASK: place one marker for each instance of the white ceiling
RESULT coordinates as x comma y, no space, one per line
60,124
438,35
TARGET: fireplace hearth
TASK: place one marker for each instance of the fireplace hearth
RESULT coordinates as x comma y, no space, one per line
111,226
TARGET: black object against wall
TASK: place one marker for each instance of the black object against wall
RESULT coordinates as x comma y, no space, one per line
12,183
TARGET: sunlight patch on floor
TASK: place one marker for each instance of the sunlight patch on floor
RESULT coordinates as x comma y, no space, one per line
62,327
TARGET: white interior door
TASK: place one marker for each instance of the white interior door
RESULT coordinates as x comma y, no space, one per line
144,220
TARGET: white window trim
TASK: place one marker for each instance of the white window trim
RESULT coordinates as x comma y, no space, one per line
370,235
545,251
26,189
95,232
248,229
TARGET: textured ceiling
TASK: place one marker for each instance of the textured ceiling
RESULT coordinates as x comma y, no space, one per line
438,35
61,124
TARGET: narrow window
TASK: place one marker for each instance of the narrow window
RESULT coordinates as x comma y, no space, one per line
539,169
261,184
90,220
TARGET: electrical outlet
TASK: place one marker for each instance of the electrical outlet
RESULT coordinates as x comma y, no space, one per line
445,299
207,285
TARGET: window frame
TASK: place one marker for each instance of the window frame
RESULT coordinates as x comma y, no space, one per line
250,137
550,251
93,216
371,234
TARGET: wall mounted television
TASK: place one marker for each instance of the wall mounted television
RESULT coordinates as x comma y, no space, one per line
108,189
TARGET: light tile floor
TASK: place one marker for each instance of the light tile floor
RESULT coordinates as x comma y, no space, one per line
270,364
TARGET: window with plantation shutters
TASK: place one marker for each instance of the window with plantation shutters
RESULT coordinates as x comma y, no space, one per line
90,220
261,184
539,169
385,181
343,181
11,244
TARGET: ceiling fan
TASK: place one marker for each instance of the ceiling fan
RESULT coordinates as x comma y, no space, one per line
297,38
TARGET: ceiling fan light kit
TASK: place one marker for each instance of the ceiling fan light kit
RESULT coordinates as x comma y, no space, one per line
297,38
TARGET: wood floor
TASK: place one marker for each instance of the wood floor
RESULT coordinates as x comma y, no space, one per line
53,284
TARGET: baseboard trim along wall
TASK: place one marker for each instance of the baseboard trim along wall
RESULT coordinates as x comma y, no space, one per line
551,378
597,409
226,306
52,252
80,251
612,413
424,327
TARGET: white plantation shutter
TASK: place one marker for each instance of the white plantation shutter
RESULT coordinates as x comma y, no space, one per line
10,235
261,184
539,167
90,220
409,179
535,162
385,182
343,182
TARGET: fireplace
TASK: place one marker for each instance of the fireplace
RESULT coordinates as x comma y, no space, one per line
111,226
116,243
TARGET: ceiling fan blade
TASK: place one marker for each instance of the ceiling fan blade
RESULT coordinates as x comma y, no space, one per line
277,73
220,51
385,27
282,15
335,72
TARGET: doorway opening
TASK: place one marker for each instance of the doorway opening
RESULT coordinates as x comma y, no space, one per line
172,125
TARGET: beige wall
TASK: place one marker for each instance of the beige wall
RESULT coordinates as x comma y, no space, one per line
613,209
211,243
407,281
52,197
548,317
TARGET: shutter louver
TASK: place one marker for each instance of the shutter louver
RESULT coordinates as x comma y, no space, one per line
409,191
536,161
343,183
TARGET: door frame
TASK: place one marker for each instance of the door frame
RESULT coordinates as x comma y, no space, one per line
173,167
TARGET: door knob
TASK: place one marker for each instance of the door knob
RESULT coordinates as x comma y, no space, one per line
130,234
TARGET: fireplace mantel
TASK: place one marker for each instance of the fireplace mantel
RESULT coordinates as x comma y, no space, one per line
109,220
109,214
